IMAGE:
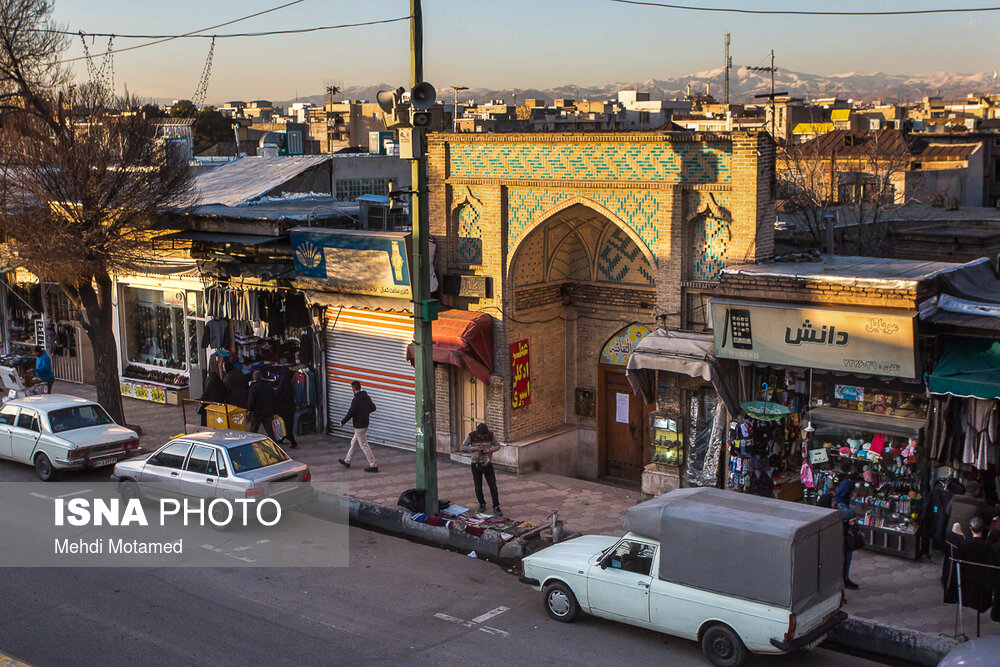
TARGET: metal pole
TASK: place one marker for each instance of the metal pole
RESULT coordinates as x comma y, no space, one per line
424,309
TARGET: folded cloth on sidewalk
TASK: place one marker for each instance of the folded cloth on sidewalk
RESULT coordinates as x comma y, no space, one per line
435,521
419,517
454,510
475,531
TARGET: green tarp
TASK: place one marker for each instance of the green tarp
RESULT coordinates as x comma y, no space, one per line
969,367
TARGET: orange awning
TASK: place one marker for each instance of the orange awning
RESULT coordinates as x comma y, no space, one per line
464,339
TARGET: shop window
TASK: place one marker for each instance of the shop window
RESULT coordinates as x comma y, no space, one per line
154,327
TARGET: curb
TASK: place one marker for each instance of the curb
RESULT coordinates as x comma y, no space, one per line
912,646
394,520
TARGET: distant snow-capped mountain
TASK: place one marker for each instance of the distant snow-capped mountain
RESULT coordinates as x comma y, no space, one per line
743,85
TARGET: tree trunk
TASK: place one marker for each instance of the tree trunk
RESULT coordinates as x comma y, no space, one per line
92,297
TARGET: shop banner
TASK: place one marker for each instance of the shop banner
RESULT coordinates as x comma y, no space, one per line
520,385
854,341
355,261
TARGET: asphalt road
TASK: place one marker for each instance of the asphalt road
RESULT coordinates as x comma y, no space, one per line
397,603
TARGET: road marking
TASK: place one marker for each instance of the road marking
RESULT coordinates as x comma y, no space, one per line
477,620
308,618
490,614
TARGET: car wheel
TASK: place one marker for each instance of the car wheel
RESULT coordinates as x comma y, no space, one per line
43,467
560,603
723,647
128,491
222,517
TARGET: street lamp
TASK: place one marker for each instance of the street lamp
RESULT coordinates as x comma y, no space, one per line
454,120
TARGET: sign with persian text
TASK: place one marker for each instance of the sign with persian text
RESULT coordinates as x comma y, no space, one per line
520,385
862,342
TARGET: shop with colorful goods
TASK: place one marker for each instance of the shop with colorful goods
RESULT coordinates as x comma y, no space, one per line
830,379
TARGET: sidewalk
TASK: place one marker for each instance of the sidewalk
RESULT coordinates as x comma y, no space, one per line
894,591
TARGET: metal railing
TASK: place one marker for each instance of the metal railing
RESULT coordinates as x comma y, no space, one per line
959,620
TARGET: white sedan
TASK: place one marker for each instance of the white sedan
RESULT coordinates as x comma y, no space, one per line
59,432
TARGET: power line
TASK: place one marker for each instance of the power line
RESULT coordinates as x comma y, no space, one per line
188,34
802,12
263,33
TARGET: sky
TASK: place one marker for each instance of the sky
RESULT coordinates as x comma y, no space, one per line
516,43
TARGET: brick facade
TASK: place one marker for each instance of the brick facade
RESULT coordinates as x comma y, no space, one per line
583,235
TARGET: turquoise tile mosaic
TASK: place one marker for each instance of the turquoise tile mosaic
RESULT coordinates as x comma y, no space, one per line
470,235
639,209
710,233
687,162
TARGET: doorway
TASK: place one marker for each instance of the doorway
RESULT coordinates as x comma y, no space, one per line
622,427
471,398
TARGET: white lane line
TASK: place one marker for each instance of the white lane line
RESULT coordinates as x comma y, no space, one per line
452,619
490,614
493,631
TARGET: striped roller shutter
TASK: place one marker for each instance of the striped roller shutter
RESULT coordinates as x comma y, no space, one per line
370,346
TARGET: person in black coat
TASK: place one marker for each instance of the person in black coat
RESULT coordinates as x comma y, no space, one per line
260,405
237,386
215,392
284,400
358,414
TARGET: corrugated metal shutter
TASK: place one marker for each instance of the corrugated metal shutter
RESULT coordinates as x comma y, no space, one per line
370,346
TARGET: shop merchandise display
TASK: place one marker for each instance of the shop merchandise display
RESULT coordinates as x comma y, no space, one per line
266,330
135,372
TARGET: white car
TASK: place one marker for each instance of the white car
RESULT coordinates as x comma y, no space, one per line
58,432
737,573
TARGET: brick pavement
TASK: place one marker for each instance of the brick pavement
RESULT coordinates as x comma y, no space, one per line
894,591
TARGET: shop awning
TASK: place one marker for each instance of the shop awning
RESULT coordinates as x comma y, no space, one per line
968,367
866,421
464,339
683,352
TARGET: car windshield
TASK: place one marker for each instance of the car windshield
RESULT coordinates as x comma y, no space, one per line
256,455
82,416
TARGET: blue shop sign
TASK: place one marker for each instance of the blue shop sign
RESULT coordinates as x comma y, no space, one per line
355,261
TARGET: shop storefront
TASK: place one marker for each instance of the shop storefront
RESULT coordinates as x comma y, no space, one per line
159,324
361,279
828,392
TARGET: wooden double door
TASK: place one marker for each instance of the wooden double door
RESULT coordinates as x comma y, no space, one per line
623,427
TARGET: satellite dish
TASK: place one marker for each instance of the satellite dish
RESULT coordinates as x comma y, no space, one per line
422,96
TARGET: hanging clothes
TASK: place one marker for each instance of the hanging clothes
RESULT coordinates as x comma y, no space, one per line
296,310
977,416
216,334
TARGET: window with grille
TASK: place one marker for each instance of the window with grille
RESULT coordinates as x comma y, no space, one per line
350,189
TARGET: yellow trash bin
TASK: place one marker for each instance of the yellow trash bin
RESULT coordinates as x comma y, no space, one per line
226,416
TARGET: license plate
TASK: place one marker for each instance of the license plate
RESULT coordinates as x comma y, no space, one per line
107,461
278,487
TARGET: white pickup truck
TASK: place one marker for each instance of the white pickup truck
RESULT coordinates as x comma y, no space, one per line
737,573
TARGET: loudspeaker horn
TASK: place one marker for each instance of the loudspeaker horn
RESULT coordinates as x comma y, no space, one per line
388,99
422,96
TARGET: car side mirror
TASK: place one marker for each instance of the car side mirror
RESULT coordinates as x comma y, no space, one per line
604,564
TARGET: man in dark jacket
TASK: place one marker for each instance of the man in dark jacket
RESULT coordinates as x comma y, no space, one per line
260,405
361,407
237,386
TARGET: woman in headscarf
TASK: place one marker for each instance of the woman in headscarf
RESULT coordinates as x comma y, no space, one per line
215,392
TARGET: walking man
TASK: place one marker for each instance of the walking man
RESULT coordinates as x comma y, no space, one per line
481,443
43,368
361,407
260,405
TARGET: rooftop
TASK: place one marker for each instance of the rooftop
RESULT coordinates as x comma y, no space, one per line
877,271
249,178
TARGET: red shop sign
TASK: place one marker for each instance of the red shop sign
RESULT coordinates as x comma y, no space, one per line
520,386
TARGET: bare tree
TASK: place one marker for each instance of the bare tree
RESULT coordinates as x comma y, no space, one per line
85,182
863,179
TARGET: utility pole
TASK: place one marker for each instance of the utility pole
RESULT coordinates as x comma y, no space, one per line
424,308
729,64
772,94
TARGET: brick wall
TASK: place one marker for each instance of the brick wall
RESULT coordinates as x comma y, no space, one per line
799,290
495,190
